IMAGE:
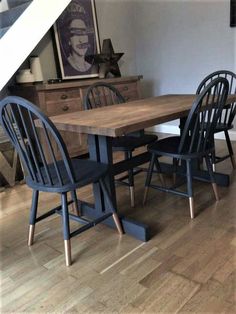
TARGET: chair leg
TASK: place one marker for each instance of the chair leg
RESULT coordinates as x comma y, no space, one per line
109,203
117,223
175,165
66,229
190,188
230,149
33,214
75,205
214,167
128,155
213,158
148,178
191,207
212,178
158,167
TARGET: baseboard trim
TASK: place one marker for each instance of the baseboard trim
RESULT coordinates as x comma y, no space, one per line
174,129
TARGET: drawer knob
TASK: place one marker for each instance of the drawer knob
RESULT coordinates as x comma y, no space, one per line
64,96
65,108
125,88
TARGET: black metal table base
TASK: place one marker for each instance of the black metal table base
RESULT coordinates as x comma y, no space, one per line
132,227
100,149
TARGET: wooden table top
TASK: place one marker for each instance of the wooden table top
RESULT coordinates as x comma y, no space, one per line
117,120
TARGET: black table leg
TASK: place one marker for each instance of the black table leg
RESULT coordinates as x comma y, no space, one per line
100,149
94,155
105,157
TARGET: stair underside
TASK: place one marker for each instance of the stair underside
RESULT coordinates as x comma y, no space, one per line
7,18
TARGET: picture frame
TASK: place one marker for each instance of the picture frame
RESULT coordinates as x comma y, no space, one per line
76,35
233,13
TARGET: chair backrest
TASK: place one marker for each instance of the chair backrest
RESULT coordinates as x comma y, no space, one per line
102,94
32,134
198,133
229,111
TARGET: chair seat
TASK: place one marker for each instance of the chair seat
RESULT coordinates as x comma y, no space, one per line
130,143
169,147
86,172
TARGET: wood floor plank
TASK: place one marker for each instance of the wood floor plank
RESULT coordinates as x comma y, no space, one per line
164,267
64,294
26,292
206,300
167,295
225,270
203,260
116,294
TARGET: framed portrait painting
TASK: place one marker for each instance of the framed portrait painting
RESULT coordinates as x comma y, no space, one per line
76,35
232,13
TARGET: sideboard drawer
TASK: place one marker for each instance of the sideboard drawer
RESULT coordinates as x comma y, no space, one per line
129,91
126,88
62,95
130,96
59,107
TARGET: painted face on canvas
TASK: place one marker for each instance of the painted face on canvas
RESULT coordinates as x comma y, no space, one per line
79,37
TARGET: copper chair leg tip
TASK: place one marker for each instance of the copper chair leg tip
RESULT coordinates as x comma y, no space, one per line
216,192
67,246
192,215
121,232
118,224
31,235
68,263
131,188
191,205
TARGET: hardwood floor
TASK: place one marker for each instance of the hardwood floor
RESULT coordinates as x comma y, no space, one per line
187,266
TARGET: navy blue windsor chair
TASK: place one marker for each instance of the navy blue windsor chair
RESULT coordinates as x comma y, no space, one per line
53,172
104,94
227,116
196,141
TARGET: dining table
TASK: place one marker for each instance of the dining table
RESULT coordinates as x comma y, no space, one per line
103,124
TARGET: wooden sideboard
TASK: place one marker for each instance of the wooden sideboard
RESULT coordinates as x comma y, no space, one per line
60,98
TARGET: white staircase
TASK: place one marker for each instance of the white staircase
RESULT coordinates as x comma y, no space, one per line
22,28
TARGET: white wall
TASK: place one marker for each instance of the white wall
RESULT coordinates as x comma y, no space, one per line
116,21
234,50
180,42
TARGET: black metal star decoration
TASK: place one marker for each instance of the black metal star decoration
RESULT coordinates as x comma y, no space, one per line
107,60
